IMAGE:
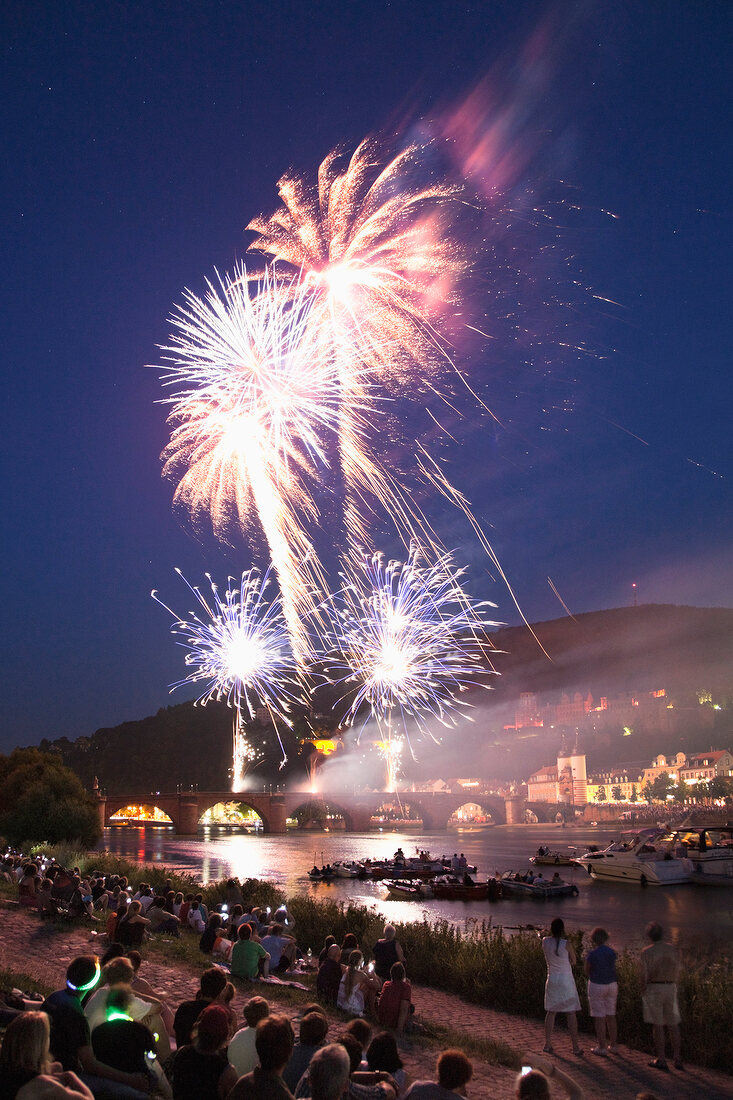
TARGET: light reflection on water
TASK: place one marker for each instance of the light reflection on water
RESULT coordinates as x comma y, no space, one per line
693,914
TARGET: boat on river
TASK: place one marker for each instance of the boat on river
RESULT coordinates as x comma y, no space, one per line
513,884
651,857
410,888
546,857
348,869
710,850
456,889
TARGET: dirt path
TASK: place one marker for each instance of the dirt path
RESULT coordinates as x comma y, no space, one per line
42,951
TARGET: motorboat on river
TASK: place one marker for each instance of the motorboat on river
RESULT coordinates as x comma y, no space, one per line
410,888
455,888
547,857
710,850
514,884
651,857
348,869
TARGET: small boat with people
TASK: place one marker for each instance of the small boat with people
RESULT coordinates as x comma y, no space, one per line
321,874
651,857
527,884
548,857
422,866
455,888
410,888
348,869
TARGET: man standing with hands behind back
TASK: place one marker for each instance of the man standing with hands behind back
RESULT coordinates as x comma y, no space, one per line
660,966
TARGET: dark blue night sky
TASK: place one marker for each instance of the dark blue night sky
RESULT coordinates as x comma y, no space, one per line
139,140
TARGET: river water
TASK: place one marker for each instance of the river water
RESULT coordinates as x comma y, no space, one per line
693,915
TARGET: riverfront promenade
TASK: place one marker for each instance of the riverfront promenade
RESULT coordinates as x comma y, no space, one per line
43,951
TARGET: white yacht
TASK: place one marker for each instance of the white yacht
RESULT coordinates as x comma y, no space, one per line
651,857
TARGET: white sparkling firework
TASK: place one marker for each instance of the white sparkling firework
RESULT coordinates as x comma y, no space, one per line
391,751
238,647
410,639
373,240
254,398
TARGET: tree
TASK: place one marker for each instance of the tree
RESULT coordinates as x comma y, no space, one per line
720,786
634,794
617,793
601,794
44,802
647,793
681,791
661,786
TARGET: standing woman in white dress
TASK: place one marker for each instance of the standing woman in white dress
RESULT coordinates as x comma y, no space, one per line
561,994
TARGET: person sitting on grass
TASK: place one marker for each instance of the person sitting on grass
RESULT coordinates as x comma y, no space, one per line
212,990
201,1069
195,918
27,893
127,1044
280,948
311,1037
274,1045
358,990
161,920
330,973
248,956
144,988
118,974
328,944
395,1001
210,934
363,1084
382,1057
328,1073
131,924
71,1038
387,952
26,1068
241,1051
454,1071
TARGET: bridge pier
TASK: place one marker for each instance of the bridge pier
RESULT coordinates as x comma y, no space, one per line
515,807
277,815
188,814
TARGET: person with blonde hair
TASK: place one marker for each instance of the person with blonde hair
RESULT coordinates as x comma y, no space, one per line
27,1071
358,990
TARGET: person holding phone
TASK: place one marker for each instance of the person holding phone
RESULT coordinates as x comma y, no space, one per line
358,989
533,1083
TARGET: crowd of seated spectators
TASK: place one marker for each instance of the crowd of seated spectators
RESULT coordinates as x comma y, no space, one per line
108,1034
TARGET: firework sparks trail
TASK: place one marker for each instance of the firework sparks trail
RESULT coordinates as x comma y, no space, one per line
374,244
254,396
237,645
390,750
409,637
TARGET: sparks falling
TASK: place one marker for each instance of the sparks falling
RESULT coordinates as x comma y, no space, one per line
254,396
238,646
410,639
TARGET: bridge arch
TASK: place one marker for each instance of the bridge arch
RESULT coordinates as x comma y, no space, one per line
321,804
250,802
146,811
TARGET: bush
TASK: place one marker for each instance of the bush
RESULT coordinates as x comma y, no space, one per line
42,801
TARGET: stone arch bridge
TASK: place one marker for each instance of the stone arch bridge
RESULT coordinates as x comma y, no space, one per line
186,809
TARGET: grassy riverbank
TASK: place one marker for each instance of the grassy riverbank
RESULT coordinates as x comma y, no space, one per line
478,962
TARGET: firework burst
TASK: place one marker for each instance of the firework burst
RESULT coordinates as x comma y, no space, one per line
374,244
254,397
410,640
238,647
